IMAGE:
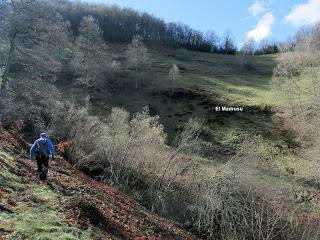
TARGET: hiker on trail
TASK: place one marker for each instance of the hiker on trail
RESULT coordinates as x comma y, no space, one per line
42,149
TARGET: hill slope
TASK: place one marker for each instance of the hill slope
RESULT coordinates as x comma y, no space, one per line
207,80
69,205
210,80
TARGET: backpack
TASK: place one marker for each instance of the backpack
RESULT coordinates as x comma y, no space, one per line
43,147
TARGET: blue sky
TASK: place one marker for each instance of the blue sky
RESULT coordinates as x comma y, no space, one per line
259,19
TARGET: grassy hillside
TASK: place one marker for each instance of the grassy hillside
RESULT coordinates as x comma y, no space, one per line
207,80
210,80
222,76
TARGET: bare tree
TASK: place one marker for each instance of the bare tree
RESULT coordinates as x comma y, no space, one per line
227,44
36,39
137,56
174,75
37,26
89,59
247,49
213,40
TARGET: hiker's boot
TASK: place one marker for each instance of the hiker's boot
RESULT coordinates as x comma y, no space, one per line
43,175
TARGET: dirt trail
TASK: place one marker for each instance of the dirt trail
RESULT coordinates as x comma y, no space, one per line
84,201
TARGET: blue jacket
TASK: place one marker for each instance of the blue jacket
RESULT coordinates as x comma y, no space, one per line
34,148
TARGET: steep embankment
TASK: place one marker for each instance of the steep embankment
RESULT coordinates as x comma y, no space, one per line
69,205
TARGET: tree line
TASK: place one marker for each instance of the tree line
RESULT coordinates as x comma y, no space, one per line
122,24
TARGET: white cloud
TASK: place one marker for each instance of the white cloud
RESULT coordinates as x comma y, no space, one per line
257,7
263,28
302,14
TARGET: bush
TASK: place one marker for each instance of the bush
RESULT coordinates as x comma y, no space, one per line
31,100
119,146
131,153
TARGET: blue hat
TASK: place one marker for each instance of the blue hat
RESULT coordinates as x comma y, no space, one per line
43,135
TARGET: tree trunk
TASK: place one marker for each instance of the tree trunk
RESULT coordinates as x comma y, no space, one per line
8,63
5,78
172,86
136,80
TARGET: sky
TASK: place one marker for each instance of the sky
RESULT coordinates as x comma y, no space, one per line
257,19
